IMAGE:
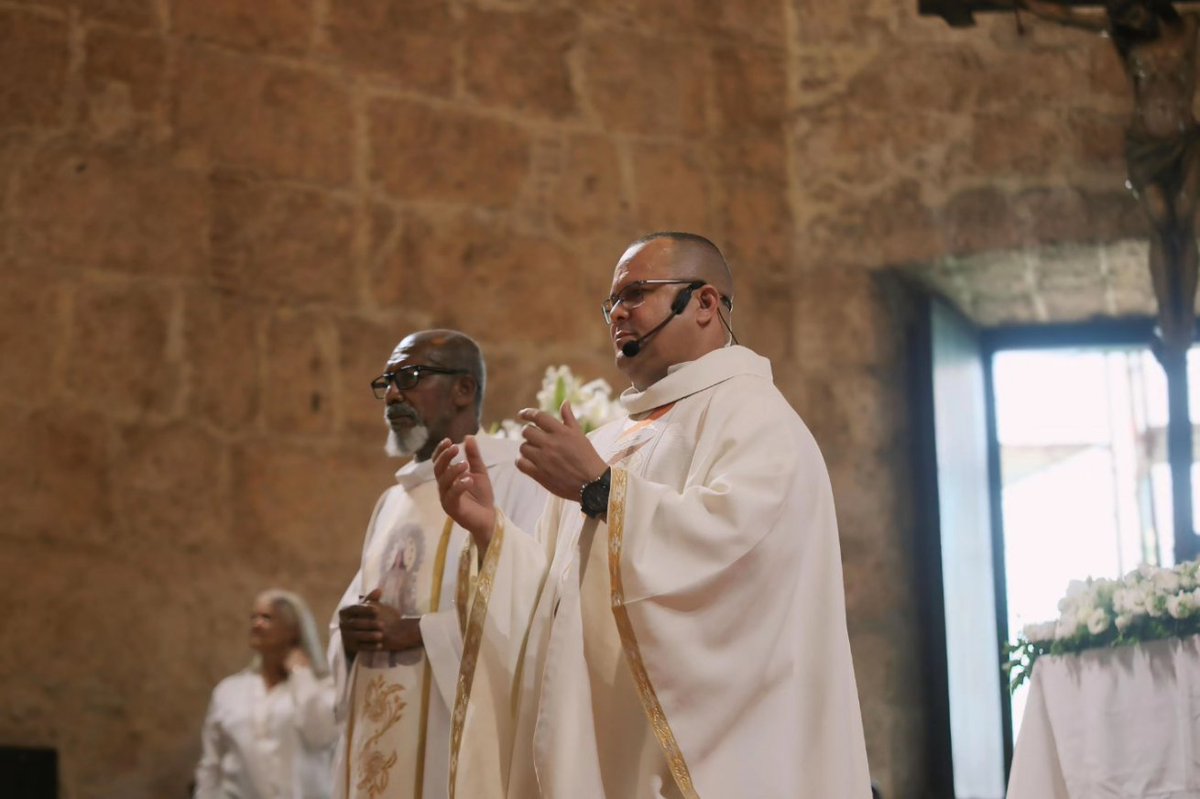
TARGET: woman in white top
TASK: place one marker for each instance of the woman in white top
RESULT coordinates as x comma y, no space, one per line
270,730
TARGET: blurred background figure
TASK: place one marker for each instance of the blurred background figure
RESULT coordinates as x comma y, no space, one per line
270,730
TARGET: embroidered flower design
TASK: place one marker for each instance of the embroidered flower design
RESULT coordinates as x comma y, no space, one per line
384,707
374,769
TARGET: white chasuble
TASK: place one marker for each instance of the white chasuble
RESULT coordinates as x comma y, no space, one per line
692,645
395,706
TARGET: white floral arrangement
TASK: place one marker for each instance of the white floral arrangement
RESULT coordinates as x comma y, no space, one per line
591,402
1148,604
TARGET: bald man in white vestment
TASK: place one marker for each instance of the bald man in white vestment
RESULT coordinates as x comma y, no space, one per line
397,637
675,626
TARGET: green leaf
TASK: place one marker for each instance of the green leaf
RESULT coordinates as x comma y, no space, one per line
560,392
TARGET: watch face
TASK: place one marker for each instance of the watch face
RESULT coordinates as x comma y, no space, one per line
593,500
589,499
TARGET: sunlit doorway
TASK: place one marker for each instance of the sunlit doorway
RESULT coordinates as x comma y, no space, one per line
1085,486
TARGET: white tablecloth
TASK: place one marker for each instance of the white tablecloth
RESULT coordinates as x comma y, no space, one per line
1112,724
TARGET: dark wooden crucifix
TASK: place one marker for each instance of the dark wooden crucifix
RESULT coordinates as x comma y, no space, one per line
1157,45
961,13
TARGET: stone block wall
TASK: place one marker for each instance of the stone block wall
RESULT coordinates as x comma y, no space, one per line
218,216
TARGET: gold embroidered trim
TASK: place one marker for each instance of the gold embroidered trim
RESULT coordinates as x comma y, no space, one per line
383,705
471,644
650,703
352,672
435,600
463,587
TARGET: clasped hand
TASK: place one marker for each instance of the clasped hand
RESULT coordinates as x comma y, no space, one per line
372,626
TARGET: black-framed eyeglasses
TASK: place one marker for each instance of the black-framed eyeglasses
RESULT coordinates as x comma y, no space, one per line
634,295
407,377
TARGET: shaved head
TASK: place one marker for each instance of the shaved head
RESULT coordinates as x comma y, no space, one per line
450,349
647,295
692,255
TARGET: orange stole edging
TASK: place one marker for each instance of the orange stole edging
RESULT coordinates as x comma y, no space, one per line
471,644
654,416
651,705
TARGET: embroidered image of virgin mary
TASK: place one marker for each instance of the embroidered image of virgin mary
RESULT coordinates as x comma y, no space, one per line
398,589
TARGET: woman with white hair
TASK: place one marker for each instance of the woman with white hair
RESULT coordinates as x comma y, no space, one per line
270,728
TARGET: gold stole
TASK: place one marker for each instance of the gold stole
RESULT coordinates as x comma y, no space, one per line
473,636
389,696
471,643
633,653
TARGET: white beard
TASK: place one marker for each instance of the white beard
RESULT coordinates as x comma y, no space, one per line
401,445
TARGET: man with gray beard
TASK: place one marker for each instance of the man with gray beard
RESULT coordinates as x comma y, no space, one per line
396,640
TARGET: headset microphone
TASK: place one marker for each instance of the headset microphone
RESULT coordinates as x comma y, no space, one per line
632,348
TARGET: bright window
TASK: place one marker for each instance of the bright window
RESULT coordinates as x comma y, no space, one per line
1086,487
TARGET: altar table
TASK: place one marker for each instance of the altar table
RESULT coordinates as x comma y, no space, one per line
1119,723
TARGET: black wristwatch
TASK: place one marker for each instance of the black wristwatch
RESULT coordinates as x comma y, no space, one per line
593,497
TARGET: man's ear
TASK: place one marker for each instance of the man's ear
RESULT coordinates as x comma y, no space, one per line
464,391
708,300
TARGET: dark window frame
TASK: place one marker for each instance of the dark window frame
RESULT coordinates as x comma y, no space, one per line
961,13
1135,332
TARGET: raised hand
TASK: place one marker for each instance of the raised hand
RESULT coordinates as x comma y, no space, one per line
557,453
465,489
